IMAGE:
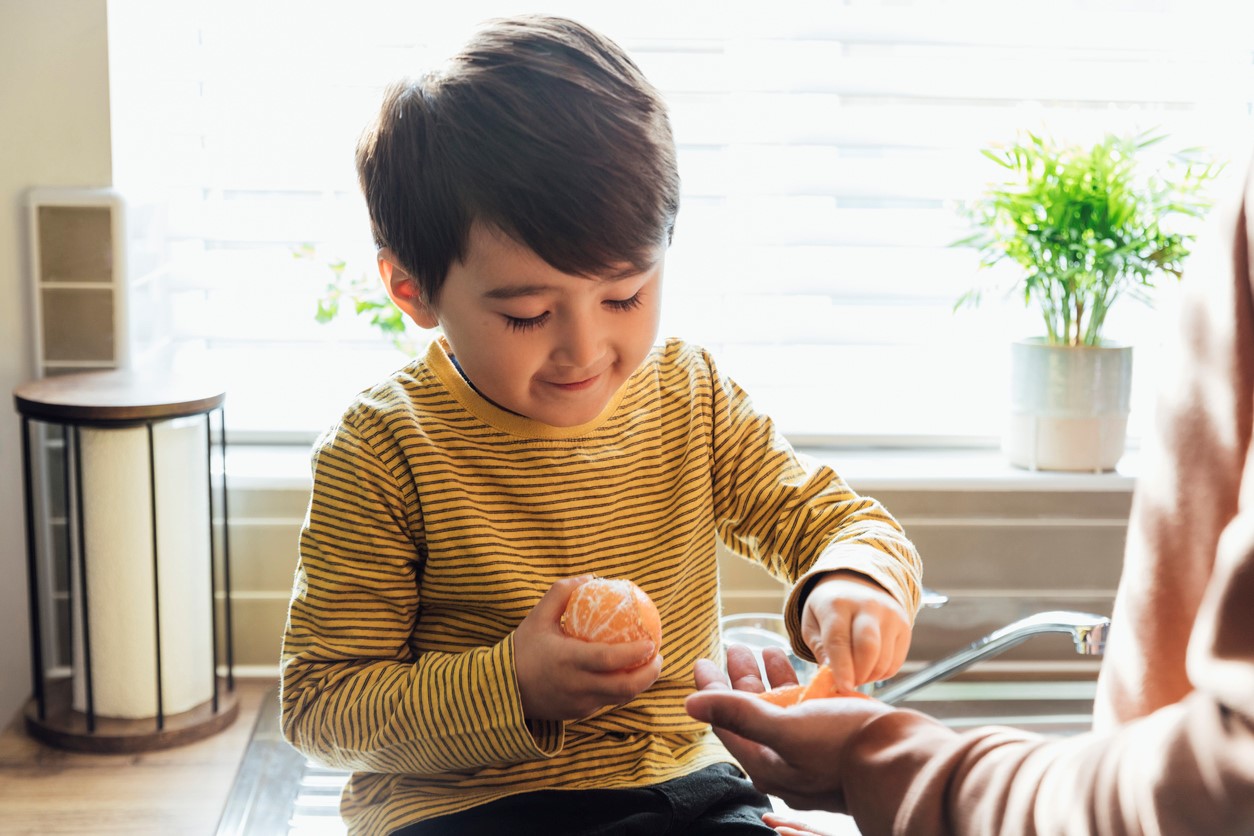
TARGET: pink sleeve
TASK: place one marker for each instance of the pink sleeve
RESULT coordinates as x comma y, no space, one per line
1179,678
1193,474
1187,768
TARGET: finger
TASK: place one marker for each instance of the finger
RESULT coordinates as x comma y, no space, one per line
555,600
779,669
742,714
709,676
609,657
749,754
743,670
892,656
635,680
866,648
840,657
901,650
812,637
616,687
882,672
785,830
791,826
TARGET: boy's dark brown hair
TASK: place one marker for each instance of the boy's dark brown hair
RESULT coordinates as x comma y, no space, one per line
539,127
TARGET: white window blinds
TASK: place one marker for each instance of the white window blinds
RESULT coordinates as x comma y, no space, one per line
823,148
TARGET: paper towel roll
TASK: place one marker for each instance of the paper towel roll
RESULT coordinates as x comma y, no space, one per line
122,593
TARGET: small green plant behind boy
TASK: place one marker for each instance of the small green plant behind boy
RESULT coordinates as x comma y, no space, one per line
1087,225
1082,227
522,199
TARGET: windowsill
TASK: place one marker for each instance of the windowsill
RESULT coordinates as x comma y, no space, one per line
867,469
872,469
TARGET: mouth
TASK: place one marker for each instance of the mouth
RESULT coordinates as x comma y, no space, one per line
577,385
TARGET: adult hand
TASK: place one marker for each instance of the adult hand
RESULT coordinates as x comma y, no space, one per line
564,678
856,627
794,753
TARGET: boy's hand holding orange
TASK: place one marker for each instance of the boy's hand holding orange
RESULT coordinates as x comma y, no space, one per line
565,677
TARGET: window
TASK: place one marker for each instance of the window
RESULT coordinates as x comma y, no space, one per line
823,149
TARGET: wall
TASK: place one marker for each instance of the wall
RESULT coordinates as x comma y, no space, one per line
1001,543
54,131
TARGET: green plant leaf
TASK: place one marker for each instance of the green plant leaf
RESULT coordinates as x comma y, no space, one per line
1085,225
360,294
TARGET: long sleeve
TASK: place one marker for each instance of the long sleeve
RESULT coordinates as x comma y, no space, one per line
796,517
1186,764
355,695
1194,475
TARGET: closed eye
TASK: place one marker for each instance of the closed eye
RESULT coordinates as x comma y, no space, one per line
525,323
625,304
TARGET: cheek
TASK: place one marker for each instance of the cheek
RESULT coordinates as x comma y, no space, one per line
647,328
508,364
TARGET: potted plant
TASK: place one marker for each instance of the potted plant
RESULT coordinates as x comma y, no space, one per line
1085,227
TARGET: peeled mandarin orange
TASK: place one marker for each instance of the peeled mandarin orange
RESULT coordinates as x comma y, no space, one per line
611,610
823,685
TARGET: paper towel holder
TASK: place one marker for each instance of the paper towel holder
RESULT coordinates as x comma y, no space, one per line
170,413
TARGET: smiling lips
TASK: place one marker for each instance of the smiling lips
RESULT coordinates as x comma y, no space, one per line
581,384
577,385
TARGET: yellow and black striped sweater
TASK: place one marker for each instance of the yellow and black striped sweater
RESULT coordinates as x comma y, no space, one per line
437,522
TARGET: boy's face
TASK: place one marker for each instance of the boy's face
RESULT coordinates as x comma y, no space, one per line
547,345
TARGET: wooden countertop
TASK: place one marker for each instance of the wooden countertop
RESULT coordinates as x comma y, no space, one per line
171,791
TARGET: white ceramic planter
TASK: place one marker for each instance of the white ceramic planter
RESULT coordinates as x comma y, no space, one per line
1068,406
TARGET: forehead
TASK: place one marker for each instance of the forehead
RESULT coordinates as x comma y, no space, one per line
504,267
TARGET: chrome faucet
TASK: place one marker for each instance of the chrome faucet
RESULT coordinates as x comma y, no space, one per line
761,630
1087,630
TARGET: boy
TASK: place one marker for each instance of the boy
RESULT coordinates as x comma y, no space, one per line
522,200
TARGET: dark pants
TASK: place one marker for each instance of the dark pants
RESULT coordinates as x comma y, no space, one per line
715,800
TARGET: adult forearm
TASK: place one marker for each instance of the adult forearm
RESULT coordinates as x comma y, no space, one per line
1185,769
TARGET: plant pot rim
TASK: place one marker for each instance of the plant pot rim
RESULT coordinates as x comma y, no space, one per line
1104,345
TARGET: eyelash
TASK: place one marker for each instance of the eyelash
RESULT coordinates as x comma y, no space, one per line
517,324
625,304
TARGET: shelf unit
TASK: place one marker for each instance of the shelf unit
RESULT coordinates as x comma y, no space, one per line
98,280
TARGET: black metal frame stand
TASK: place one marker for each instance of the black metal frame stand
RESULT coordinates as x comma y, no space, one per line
51,716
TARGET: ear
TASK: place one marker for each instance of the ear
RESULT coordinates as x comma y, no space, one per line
404,291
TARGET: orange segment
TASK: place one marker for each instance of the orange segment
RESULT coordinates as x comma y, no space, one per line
822,686
611,610
784,695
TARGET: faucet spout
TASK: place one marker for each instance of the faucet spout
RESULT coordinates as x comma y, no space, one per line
1087,630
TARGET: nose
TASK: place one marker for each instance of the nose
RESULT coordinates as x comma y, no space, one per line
579,342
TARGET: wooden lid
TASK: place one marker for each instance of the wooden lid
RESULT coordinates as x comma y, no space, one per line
116,396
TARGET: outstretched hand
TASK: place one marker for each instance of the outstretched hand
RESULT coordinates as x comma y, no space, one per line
794,753
564,678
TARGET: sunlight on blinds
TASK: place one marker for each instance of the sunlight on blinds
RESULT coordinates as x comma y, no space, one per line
824,148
